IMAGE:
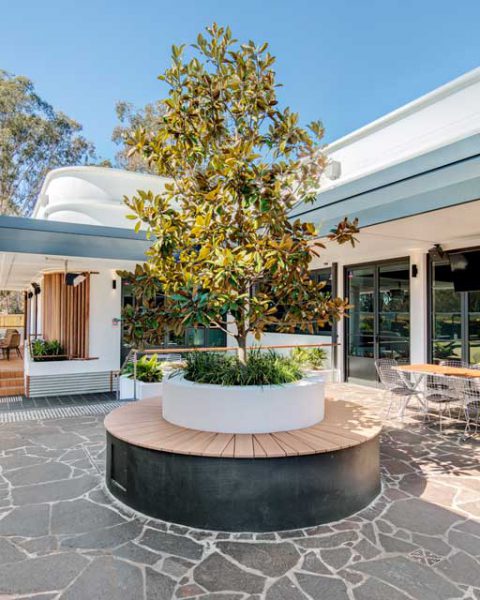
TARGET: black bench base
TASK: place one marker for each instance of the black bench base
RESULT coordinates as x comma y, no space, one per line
233,494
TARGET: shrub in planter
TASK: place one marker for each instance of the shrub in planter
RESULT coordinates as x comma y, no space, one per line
44,350
268,368
312,358
149,379
149,369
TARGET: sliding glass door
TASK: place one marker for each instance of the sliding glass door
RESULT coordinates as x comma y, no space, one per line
455,318
379,319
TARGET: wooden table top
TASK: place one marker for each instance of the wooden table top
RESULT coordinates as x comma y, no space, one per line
429,369
142,424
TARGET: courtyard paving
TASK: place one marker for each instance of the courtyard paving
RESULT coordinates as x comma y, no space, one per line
63,537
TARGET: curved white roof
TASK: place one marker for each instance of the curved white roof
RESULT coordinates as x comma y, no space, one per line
92,195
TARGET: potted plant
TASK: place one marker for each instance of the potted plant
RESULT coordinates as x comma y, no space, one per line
149,376
226,252
47,350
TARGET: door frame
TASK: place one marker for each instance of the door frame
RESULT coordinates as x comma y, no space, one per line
376,264
464,308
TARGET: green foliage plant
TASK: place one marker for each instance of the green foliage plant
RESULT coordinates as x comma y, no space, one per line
224,244
313,358
260,368
45,350
149,369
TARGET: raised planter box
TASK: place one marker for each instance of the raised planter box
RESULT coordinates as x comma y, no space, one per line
144,390
244,409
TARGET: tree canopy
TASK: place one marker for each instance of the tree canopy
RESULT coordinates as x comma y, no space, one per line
223,242
34,138
130,119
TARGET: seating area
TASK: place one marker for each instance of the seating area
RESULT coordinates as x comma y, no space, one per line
449,390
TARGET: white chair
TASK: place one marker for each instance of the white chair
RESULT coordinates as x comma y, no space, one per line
442,391
461,364
471,405
396,384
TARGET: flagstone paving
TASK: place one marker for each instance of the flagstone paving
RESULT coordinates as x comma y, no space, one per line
63,537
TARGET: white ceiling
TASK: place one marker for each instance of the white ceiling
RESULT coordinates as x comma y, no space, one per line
453,227
17,271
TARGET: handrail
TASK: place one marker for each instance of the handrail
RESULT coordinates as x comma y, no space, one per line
230,348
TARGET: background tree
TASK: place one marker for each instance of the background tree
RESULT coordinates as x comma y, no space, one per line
130,119
34,138
223,240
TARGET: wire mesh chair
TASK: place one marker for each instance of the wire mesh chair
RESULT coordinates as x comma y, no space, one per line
442,391
462,364
396,384
471,405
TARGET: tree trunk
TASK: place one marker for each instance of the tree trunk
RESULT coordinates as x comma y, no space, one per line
242,347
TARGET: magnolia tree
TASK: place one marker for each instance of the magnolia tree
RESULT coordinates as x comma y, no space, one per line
225,252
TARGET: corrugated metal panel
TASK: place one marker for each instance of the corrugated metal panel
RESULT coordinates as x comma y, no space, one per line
75,383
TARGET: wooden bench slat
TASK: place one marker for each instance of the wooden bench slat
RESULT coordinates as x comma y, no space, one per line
258,450
218,444
229,450
296,445
270,445
244,445
141,423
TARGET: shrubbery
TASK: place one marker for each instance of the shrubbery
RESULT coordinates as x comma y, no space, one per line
149,369
261,368
313,358
43,350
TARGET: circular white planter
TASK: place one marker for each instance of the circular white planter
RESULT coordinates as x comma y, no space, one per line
244,409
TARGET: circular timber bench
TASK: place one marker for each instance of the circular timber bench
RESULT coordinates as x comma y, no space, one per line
243,482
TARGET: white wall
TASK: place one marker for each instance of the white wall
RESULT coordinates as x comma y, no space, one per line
104,335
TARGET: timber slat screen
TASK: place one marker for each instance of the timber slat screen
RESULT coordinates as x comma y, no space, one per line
66,310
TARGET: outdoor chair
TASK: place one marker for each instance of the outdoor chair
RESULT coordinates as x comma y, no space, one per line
11,342
396,384
461,364
442,391
471,405
5,341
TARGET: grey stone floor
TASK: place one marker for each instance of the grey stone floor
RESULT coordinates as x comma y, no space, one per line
62,536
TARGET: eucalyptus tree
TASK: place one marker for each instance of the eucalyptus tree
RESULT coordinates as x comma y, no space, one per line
34,138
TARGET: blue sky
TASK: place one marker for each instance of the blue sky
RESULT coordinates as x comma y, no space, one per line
346,62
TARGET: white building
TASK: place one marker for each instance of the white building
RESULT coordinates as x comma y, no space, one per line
413,180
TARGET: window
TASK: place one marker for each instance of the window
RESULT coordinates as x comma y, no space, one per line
455,318
317,275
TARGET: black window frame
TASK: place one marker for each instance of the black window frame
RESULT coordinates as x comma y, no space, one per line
464,312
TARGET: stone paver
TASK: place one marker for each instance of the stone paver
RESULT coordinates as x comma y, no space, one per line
62,536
